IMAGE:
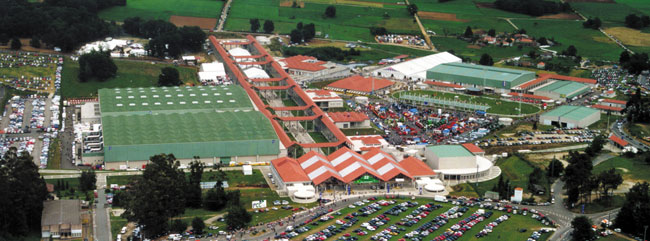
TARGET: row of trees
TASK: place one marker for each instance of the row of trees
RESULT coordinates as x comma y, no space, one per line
634,63
322,53
163,192
533,7
96,65
594,23
166,38
255,25
57,23
22,192
637,109
303,33
637,22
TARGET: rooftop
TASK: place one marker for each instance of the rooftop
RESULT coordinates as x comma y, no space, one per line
302,62
350,116
606,107
61,212
621,102
416,167
571,112
149,129
359,83
450,151
443,84
473,148
480,71
168,99
420,65
618,140
571,78
289,170
564,87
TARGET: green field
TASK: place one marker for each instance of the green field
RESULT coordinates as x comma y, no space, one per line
640,131
459,47
632,169
352,22
496,106
590,43
508,230
163,9
612,14
73,184
129,74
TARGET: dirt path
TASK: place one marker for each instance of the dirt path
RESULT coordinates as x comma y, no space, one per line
224,15
424,32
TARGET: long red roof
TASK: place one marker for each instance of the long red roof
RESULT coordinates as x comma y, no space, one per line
302,62
473,148
571,78
621,102
618,140
361,84
606,107
349,116
416,167
289,170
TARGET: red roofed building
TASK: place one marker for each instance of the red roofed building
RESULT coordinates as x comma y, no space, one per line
416,167
473,149
325,99
618,142
612,110
609,94
367,142
614,103
307,67
361,85
350,119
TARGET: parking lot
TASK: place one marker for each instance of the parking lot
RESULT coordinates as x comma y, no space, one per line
543,137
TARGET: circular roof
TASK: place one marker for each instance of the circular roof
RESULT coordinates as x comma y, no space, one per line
304,194
434,187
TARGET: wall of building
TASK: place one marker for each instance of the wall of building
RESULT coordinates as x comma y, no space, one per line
186,162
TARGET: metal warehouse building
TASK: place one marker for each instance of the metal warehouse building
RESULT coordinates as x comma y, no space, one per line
562,90
215,123
479,76
570,116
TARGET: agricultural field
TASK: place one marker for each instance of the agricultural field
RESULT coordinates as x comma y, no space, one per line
590,43
129,74
463,48
517,227
163,9
504,107
612,13
352,22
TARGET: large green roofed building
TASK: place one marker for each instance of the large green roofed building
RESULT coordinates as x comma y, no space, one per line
570,116
215,124
560,90
479,76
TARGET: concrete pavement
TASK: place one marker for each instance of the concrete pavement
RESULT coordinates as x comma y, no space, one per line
102,227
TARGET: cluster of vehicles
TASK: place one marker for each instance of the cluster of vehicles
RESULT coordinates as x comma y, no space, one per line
536,235
29,59
490,226
458,230
16,117
543,137
429,227
21,143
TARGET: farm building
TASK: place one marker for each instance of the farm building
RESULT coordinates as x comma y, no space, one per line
345,120
480,77
291,179
365,143
345,169
61,219
217,124
618,142
546,79
613,103
360,85
614,107
415,69
458,162
325,99
570,116
307,68
561,90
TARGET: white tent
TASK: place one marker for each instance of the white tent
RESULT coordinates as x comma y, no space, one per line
416,69
239,52
247,169
212,67
256,73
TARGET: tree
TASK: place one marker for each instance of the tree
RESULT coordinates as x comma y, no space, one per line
169,77
178,226
486,59
233,198
308,32
198,225
330,11
636,63
378,31
16,44
592,23
87,180
624,57
237,217
132,26
296,36
637,22
22,192
596,145
193,190
555,168
581,229
157,195
542,41
570,51
268,26
492,33
35,42
609,180
468,32
576,176
96,64
193,38
635,211
412,9
255,24
215,198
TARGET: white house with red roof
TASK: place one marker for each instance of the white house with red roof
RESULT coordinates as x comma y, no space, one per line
308,68
325,99
613,103
365,143
618,142
350,119
291,179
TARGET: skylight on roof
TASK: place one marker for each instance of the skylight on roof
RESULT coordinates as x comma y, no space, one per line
204,94
131,104
156,96
195,102
143,96
131,97
228,93
170,103
219,101
157,103
232,101
217,94
145,103
207,102
180,95
119,105
182,102
192,94
168,96
118,97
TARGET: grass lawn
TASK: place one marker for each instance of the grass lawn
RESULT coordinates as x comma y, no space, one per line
117,223
496,106
129,74
602,123
590,43
459,47
251,194
364,131
509,230
464,189
54,155
163,9
318,137
612,14
632,169
597,206
73,183
352,21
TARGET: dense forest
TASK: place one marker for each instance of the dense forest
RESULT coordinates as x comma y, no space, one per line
532,7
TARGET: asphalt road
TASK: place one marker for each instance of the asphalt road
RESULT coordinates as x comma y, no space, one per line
102,227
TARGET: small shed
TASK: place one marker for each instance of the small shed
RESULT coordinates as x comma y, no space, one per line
247,169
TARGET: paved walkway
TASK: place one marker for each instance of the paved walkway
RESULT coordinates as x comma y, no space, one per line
102,224
561,149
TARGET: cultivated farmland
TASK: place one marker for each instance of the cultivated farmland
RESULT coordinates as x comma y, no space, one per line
163,9
352,22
